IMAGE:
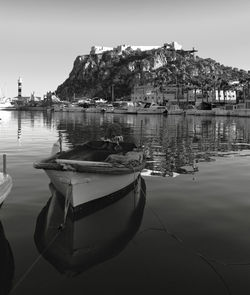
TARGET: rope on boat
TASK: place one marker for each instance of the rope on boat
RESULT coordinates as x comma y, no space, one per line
22,278
59,230
67,202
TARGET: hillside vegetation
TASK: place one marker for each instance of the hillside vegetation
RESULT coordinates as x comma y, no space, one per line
94,74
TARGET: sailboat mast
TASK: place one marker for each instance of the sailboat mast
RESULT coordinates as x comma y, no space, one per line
112,93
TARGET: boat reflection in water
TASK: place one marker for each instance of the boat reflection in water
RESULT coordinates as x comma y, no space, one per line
7,267
99,232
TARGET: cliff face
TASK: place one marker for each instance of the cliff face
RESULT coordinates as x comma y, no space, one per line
93,75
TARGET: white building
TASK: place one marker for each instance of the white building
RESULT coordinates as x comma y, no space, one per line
227,96
120,48
99,49
173,45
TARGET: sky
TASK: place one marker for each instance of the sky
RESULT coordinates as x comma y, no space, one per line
40,39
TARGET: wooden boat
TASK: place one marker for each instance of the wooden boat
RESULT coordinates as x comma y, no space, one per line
93,170
5,182
102,230
5,186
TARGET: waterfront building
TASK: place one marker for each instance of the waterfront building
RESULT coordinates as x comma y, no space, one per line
147,93
175,94
227,96
166,94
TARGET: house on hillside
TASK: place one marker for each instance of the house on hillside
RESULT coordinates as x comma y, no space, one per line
163,95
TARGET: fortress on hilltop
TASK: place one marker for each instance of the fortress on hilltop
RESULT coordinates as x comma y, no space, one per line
120,48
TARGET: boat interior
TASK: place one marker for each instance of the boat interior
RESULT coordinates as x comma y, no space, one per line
96,151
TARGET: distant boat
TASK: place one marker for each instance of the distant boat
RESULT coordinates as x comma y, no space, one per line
101,231
151,108
94,109
226,110
7,104
93,170
67,107
124,107
109,108
174,109
202,109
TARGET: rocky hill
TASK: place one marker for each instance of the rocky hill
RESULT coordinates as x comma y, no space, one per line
94,74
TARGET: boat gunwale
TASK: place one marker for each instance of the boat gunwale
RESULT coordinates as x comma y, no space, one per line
86,166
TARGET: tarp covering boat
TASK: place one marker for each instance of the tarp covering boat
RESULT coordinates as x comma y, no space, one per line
98,157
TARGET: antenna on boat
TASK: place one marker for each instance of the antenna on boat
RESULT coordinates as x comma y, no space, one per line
60,141
141,134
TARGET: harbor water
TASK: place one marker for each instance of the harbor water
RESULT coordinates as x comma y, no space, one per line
183,230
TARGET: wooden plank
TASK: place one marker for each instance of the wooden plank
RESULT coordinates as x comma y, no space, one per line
83,163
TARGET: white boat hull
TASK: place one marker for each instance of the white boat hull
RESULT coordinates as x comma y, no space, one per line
176,112
7,106
200,112
79,188
93,110
5,186
150,111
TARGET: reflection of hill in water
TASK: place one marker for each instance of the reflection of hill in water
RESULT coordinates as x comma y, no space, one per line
90,127
7,267
173,141
101,233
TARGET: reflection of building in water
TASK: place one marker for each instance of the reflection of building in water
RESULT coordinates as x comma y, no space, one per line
19,126
47,119
101,230
79,128
173,141
32,119
184,140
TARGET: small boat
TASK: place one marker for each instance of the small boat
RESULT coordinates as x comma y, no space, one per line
152,108
226,110
92,170
125,107
174,109
7,104
6,183
102,230
109,108
67,107
202,109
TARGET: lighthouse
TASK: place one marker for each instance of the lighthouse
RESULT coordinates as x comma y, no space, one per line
19,87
